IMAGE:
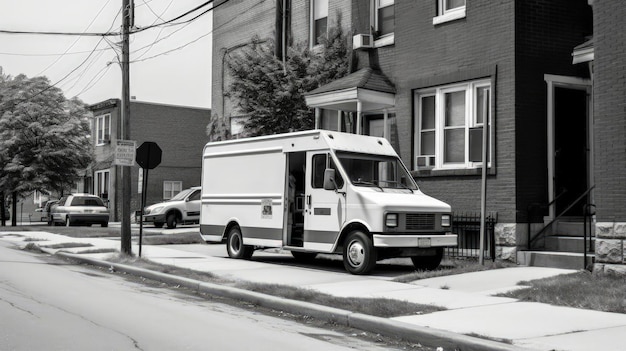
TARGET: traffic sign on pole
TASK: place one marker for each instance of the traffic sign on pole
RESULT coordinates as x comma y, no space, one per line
149,155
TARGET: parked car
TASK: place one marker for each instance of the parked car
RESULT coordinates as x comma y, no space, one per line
76,209
182,208
43,213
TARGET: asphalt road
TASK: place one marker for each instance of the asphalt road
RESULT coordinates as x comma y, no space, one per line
48,304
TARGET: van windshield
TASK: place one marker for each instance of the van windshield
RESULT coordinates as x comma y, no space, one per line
376,171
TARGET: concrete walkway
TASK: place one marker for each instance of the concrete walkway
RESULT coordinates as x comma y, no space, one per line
471,308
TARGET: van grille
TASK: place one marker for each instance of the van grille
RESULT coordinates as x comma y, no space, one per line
420,221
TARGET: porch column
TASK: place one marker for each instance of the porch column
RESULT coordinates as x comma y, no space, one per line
339,120
318,113
358,116
385,126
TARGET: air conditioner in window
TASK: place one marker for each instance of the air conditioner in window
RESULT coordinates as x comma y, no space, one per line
362,41
427,161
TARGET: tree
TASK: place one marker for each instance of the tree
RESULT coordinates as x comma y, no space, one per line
44,137
271,94
218,129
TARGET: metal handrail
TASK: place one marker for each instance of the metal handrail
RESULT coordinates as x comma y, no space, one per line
537,205
587,212
533,239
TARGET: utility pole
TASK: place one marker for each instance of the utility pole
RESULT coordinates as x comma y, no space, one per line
127,11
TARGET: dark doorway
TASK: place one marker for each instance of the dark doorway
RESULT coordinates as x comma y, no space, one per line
570,149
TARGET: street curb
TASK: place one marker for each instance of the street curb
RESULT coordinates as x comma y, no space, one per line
409,332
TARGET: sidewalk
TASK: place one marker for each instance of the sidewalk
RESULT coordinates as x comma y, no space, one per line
472,310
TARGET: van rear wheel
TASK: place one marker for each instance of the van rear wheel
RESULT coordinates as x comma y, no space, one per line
428,263
359,255
235,246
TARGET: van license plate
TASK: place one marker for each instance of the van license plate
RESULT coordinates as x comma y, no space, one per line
423,242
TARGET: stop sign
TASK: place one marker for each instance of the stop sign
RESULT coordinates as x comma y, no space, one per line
148,155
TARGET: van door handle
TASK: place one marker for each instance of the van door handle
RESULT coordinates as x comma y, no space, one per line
308,200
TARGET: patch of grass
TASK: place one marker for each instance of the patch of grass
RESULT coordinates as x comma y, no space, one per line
163,268
380,307
75,232
453,266
96,251
173,239
33,239
594,291
67,245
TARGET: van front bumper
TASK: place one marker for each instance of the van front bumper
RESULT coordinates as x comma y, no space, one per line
421,241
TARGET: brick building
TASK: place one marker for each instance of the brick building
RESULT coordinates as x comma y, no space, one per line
430,75
179,131
605,54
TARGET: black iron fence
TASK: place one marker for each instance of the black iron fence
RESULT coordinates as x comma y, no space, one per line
467,227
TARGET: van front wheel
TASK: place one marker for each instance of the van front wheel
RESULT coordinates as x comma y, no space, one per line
235,246
359,255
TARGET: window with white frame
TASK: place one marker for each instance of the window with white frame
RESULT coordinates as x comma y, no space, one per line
449,10
449,124
385,17
319,20
171,188
103,129
101,184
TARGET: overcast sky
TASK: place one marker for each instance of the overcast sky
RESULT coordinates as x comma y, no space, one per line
169,64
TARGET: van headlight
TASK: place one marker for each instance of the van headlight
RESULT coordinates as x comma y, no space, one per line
391,220
445,220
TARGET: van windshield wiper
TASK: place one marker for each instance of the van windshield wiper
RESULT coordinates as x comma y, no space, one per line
399,184
365,183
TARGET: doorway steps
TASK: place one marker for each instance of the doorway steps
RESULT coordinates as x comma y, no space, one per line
562,249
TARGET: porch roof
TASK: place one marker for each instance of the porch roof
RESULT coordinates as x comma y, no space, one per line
372,89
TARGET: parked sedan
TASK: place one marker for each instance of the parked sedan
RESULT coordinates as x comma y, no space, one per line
80,209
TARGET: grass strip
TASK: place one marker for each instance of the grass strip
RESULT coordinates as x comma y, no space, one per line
583,289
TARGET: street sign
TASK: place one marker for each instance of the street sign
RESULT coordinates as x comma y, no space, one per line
148,155
125,152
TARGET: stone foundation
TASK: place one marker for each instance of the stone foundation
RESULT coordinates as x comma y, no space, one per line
611,247
508,236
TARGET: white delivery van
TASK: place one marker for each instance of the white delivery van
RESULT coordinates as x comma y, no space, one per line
320,192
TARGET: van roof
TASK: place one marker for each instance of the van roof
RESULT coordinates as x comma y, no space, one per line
331,139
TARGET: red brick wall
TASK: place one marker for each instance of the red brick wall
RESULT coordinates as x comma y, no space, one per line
478,46
180,132
234,25
610,109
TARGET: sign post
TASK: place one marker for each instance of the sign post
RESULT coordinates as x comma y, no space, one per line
148,157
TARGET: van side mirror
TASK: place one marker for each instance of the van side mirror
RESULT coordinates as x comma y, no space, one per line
329,179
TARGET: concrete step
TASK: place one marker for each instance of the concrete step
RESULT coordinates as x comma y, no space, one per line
568,243
565,260
571,228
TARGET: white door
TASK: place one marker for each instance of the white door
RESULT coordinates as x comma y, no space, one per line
192,206
324,210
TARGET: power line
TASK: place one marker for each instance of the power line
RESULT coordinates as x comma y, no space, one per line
175,18
75,41
60,80
84,34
